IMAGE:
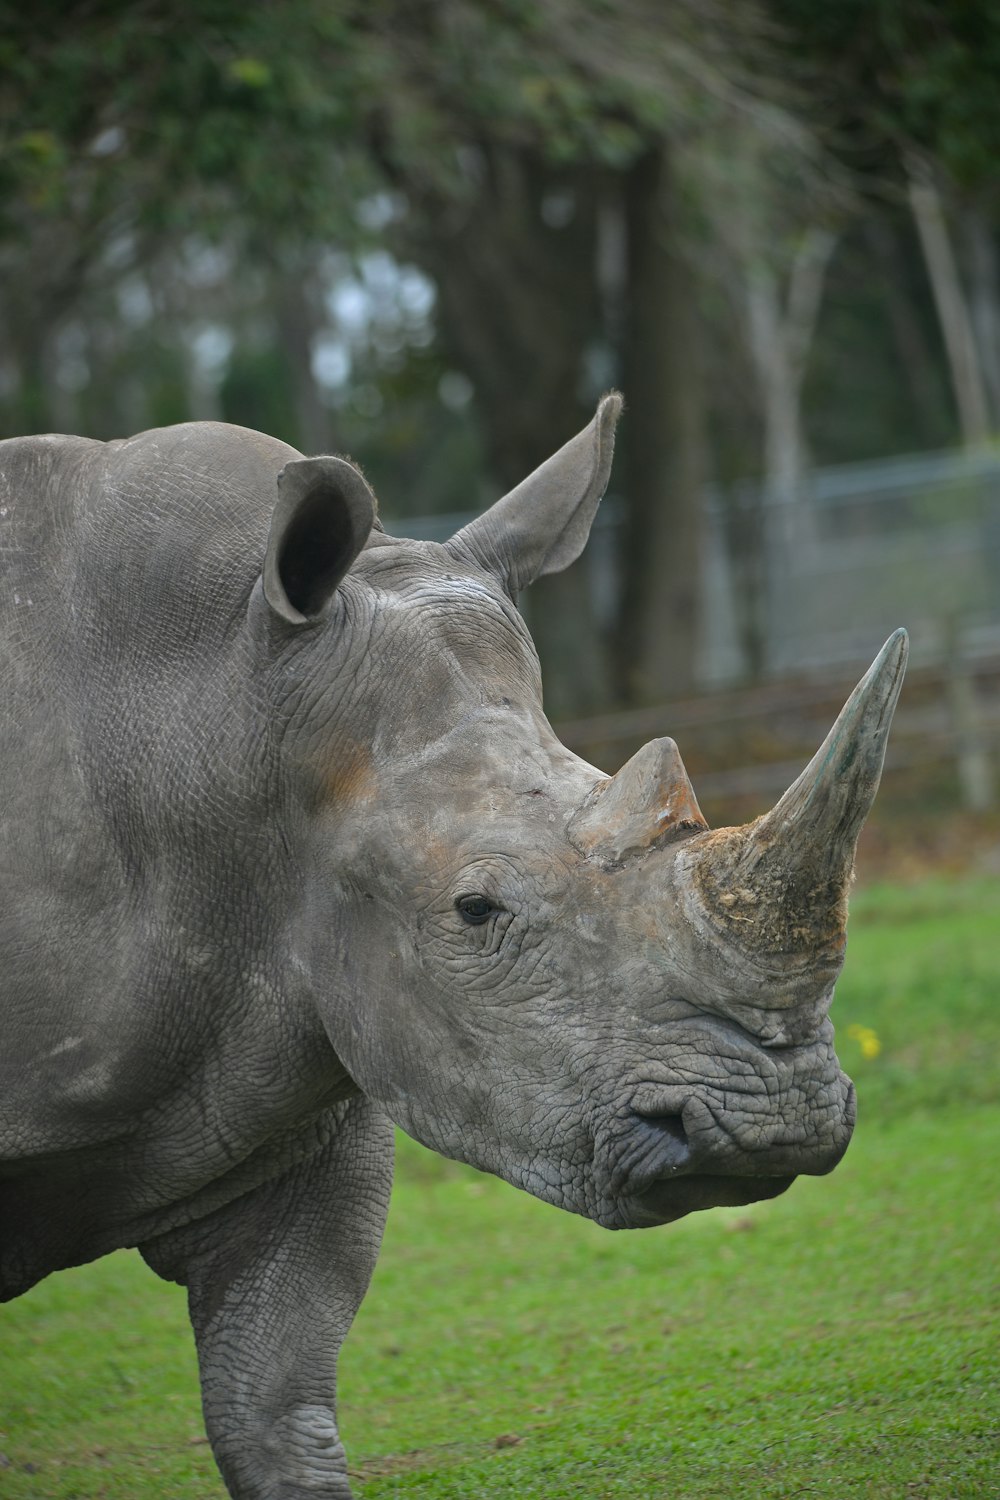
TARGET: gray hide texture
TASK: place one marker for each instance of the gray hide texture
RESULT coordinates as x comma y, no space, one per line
290,853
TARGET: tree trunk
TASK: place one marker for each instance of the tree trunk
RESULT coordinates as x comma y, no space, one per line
918,366
295,322
664,468
952,309
984,303
518,308
780,338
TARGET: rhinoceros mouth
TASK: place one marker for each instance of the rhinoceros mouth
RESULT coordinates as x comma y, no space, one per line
679,1152
672,1198
659,1177
784,1118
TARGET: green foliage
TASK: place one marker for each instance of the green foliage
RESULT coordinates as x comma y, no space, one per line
178,115
908,74
834,1342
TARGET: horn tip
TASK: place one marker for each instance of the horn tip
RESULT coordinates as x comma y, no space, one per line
890,664
898,644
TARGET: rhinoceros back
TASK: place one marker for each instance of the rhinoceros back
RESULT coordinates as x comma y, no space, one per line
50,843
125,570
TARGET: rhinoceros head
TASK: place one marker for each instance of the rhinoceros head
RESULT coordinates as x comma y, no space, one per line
557,976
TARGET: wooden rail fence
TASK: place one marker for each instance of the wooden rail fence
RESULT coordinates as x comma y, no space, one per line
754,741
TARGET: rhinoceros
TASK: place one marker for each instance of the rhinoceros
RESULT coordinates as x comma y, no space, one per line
292,855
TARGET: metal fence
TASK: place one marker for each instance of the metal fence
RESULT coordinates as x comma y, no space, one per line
911,540
800,596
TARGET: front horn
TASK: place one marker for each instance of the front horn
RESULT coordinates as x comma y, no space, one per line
782,882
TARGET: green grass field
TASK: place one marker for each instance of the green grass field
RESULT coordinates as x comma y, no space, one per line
839,1341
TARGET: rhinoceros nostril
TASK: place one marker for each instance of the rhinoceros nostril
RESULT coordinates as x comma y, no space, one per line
672,1151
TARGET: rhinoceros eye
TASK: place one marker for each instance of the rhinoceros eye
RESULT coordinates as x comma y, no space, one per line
475,909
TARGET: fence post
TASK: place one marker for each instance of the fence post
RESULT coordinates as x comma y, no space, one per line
975,772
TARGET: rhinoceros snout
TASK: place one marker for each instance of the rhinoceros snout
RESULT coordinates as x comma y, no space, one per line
683,1151
752,1143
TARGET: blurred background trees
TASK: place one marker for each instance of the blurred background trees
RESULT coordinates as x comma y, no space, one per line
430,232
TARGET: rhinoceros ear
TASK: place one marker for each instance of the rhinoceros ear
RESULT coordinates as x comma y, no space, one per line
542,525
324,513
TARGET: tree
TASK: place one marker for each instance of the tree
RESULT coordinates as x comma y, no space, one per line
517,146
910,86
775,216
126,130
550,223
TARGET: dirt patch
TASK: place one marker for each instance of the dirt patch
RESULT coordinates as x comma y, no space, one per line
445,1455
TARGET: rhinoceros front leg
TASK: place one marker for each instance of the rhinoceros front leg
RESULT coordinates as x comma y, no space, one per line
274,1281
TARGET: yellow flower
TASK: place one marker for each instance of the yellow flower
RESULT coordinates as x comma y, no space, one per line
868,1040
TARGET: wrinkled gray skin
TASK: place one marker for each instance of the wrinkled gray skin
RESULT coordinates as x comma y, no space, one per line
255,751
